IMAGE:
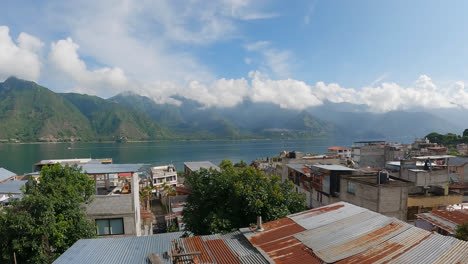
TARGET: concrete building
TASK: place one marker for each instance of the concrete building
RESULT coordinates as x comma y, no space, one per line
462,148
319,183
458,169
193,166
116,205
340,152
164,175
293,157
369,154
389,197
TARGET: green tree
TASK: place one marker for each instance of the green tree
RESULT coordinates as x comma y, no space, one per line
49,218
462,231
465,132
225,201
241,164
225,164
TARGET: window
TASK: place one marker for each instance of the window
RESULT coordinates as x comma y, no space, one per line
113,226
351,187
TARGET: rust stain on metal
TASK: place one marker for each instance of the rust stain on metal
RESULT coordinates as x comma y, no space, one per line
363,258
298,253
374,236
193,244
412,246
276,230
321,210
221,253
280,243
457,217
437,223
383,250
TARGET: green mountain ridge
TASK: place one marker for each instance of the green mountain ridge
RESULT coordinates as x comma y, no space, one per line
30,112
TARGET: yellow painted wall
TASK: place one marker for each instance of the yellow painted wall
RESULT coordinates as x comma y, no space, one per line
431,201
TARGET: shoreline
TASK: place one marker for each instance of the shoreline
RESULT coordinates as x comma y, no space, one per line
159,140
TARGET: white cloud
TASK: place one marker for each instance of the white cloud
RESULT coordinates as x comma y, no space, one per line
275,61
391,96
20,60
64,57
288,93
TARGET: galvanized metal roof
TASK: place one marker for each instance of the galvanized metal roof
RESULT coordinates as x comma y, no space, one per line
333,167
326,214
13,187
111,168
434,249
119,250
197,165
5,174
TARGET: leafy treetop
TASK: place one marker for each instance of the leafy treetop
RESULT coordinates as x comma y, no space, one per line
462,231
49,218
228,200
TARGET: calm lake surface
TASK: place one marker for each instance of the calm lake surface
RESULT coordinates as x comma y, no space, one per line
20,157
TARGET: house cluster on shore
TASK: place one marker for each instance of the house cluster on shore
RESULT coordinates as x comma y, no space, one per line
374,202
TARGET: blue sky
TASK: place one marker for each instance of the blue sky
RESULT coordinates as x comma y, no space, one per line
292,53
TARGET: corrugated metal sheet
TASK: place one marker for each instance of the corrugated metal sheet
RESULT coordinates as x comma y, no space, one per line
350,235
457,216
13,187
197,165
361,243
431,250
389,249
6,174
333,167
253,259
456,254
276,230
435,220
118,250
326,214
111,168
194,244
237,242
220,252
218,249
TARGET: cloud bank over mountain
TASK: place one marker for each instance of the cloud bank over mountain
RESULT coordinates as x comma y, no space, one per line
22,59
147,47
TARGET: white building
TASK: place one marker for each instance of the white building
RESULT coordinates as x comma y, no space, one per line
341,152
164,174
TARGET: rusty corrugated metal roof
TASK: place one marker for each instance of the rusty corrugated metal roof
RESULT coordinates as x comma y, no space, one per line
221,253
194,244
389,249
447,220
345,233
433,249
232,248
351,235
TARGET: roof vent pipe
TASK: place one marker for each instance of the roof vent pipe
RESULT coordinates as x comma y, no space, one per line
259,224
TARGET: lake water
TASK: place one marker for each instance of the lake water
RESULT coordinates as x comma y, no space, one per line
20,157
